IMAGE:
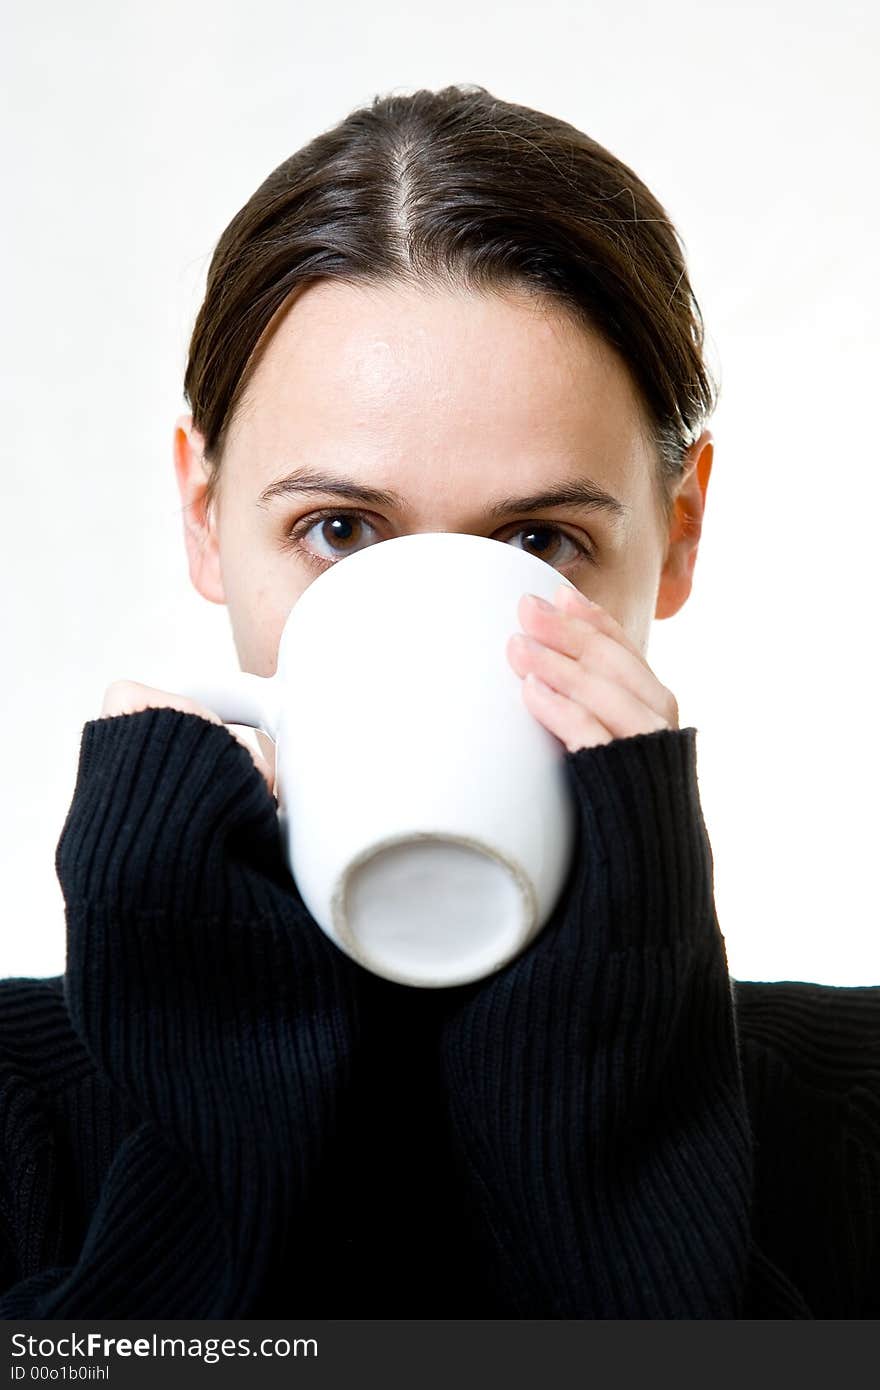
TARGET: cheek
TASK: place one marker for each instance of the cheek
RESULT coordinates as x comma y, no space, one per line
629,582
257,647
643,553
257,603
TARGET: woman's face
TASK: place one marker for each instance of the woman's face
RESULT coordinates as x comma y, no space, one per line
461,407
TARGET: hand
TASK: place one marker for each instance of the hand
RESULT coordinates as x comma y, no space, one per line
593,685
127,697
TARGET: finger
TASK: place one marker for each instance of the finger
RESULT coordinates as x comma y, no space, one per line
574,726
129,697
260,762
594,649
622,713
572,601
571,607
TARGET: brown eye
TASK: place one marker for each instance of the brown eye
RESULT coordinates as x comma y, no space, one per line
338,532
548,542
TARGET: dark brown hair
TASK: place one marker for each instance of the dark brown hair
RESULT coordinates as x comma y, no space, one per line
456,188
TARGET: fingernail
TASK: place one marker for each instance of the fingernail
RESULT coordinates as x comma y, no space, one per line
541,603
521,639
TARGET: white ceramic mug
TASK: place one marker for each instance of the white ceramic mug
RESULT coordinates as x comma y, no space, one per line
427,816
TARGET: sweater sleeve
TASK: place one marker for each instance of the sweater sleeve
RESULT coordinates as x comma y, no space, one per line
593,1085
204,991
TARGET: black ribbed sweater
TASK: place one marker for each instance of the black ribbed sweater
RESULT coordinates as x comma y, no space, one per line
214,1113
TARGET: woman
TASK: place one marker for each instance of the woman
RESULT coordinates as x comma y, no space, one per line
447,313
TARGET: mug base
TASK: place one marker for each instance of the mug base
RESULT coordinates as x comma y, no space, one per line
433,910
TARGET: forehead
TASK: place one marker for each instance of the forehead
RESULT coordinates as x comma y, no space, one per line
368,346
378,371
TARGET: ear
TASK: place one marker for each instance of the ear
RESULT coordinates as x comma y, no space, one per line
199,528
686,524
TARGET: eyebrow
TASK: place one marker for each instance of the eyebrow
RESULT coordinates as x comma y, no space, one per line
568,492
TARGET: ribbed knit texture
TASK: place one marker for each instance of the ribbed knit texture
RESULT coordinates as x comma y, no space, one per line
215,1113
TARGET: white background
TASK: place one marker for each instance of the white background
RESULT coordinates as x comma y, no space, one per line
133,133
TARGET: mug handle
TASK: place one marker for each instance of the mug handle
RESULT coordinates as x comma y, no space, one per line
237,698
